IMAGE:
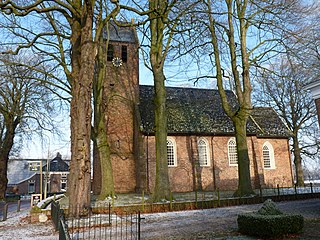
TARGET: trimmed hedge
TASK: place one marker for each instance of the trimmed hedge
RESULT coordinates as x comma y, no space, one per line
254,224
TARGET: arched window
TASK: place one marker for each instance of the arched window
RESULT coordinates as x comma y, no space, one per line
203,151
268,156
171,152
232,152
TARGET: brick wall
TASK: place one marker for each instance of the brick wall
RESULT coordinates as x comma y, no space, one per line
188,176
120,98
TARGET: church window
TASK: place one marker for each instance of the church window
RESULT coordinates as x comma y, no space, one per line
203,151
171,152
268,156
110,52
232,152
124,53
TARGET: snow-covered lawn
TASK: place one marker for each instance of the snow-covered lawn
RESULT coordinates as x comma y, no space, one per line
18,226
218,223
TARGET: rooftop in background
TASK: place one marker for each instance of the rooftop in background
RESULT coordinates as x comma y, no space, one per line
199,111
18,169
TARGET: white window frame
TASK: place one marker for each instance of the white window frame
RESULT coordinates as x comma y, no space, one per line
203,152
268,152
64,180
232,152
173,146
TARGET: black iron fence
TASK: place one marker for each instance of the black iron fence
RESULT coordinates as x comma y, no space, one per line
59,221
99,223
111,220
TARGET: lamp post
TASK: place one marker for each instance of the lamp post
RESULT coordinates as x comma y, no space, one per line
47,171
46,177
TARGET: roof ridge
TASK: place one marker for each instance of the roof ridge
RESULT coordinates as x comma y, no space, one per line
187,88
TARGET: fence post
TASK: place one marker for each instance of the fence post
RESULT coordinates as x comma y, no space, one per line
278,189
5,212
311,187
109,213
213,198
196,196
139,225
142,200
19,205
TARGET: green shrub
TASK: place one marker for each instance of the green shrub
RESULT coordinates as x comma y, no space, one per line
269,225
35,209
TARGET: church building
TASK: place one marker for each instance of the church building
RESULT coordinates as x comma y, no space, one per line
201,140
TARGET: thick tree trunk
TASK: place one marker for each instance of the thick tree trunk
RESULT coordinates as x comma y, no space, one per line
162,185
3,175
298,162
82,73
158,18
102,148
244,186
102,155
5,148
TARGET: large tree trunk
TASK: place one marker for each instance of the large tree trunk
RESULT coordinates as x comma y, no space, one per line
81,110
157,58
3,174
298,162
102,148
244,182
162,185
5,148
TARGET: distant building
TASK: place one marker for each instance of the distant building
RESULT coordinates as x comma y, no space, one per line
314,88
24,175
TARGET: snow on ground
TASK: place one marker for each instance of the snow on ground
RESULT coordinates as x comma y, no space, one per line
18,226
218,223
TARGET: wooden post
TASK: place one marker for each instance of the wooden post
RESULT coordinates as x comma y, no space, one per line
19,205
5,212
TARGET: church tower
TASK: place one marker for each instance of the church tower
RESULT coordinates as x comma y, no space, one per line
121,91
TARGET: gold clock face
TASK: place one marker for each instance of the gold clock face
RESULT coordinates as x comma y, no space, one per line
117,62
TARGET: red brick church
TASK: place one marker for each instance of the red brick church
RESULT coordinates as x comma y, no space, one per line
201,144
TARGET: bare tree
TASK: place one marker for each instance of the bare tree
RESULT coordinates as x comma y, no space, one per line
81,23
162,21
241,35
25,104
281,86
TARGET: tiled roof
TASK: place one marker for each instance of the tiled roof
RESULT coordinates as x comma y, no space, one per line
199,111
57,165
18,170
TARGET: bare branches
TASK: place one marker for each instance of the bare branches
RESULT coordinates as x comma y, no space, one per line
9,7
